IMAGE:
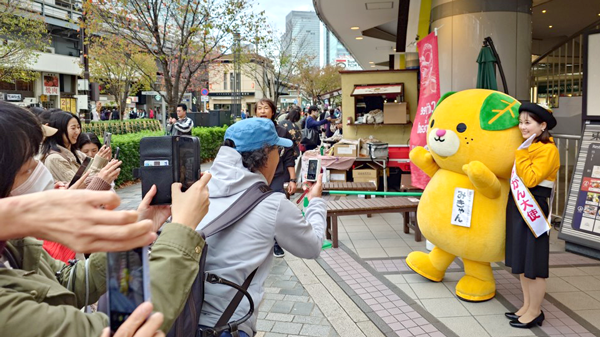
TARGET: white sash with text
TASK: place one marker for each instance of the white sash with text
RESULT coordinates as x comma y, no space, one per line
528,206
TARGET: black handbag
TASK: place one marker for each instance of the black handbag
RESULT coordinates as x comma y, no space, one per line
165,160
310,137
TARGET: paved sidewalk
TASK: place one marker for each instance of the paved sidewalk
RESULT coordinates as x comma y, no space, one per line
365,288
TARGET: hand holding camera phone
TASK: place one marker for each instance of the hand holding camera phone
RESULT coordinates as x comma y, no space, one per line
128,283
166,160
314,169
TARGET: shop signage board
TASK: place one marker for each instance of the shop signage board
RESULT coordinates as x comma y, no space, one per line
51,84
581,221
13,97
428,97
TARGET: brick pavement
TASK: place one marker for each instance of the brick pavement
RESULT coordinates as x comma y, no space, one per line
286,310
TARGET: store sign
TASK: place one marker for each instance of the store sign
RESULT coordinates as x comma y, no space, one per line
51,84
13,97
229,94
428,97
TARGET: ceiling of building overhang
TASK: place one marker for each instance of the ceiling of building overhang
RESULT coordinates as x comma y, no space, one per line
565,16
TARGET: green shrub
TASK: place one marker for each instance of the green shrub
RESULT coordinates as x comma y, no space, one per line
122,127
210,140
129,152
129,145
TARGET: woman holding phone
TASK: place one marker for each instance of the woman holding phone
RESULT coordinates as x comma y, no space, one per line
36,285
60,153
89,144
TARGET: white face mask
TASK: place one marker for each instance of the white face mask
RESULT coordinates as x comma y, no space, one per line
39,180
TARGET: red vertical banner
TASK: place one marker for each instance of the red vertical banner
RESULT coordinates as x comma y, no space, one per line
428,97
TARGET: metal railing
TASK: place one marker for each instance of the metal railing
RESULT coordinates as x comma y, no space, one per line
559,71
568,148
68,10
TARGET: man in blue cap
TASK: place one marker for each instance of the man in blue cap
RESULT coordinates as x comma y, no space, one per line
250,154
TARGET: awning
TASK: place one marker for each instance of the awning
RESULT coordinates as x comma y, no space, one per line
331,94
381,89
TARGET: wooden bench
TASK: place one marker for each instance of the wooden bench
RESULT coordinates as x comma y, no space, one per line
344,186
344,207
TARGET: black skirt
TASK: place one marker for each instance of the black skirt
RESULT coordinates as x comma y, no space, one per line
524,253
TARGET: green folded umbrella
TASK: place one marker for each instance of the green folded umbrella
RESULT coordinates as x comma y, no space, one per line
486,70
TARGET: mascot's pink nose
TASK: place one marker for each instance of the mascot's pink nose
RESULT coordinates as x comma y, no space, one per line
440,133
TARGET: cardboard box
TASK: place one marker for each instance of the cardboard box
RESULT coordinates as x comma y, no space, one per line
366,175
344,150
337,176
395,113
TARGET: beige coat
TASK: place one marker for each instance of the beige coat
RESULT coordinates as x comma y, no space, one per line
64,166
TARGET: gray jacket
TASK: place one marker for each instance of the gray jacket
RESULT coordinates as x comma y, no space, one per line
235,252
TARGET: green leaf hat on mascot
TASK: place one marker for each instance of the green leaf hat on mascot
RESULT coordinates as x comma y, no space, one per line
472,138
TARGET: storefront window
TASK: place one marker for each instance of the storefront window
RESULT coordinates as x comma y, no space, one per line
7,86
24,86
17,86
222,107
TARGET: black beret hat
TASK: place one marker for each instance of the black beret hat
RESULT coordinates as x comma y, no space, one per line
539,111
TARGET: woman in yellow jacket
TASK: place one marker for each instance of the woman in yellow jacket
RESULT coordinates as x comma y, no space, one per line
527,229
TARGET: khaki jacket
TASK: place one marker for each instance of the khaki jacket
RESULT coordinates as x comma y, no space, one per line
34,300
63,165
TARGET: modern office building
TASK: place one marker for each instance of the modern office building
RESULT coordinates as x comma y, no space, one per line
58,67
303,34
334,52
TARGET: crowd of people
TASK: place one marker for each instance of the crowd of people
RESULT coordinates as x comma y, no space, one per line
56,226
54,231
106,114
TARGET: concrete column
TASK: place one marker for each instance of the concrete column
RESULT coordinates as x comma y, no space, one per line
462,26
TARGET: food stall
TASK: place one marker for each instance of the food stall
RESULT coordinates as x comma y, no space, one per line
378,107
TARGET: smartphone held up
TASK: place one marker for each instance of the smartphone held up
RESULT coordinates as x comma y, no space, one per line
166,160
128,283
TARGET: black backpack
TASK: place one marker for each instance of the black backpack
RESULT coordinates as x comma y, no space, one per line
187,323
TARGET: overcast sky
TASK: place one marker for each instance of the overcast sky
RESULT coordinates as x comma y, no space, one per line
276,10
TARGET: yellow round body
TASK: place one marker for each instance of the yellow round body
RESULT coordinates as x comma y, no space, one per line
458,134
484,240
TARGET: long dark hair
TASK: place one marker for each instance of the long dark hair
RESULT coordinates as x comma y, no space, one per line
545,136
59,120
20,138
294,114
271,105
88,138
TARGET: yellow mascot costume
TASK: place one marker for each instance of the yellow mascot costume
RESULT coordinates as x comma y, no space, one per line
472,137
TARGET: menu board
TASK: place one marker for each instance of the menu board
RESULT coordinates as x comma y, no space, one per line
586,217
581,218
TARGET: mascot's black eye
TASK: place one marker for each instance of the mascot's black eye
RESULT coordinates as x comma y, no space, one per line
431,123
461,127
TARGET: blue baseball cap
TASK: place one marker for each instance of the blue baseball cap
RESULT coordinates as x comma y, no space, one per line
253,133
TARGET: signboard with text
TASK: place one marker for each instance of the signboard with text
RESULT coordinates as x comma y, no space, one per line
581,221
51,84
428,97
13,97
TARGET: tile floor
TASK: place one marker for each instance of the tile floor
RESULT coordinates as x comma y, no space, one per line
374,250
